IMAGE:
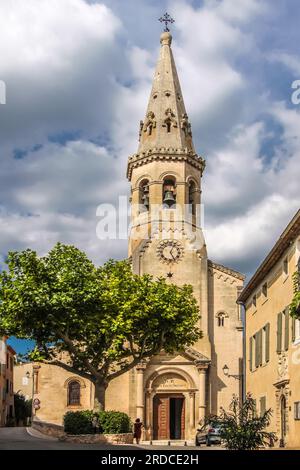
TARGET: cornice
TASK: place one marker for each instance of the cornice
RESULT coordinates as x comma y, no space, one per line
224,269
165,154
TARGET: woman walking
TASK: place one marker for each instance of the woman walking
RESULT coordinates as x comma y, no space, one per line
137,430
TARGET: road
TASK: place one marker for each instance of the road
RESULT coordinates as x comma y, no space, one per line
20,439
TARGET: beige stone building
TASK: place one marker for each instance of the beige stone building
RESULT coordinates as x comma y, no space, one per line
7,355
171,394
273,337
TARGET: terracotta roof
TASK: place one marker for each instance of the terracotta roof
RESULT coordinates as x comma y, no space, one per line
284,241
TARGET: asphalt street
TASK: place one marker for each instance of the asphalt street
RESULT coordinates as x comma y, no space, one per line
20,439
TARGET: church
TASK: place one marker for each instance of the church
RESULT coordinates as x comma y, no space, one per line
170,394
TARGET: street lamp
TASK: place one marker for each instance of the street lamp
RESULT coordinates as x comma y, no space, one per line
226,373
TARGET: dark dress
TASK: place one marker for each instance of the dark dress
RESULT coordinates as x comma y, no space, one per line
137,430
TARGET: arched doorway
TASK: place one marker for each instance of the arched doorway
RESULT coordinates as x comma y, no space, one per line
168,416
170,405
282,420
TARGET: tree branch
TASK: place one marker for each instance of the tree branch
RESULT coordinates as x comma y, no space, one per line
65,366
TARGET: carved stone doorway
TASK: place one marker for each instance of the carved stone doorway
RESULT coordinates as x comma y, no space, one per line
168,416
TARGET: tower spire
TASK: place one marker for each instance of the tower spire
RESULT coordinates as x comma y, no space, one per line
166,124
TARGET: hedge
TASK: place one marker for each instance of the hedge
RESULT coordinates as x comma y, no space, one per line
78,422
90,422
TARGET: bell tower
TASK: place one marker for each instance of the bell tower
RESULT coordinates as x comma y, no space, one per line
173,393
165,174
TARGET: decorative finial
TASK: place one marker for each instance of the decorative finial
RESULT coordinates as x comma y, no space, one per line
166,19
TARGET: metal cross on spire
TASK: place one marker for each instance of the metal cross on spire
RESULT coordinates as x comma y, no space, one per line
166,19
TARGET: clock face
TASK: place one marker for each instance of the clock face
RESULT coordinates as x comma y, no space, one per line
170,251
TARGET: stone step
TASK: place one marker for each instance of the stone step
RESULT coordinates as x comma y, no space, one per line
177,442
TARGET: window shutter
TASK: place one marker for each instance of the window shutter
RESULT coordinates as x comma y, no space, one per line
262,406
293,329
279,332
251,352
267,345
260,347
256,336
286,329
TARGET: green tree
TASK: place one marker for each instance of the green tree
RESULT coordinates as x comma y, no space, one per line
23,408
241,427
106,319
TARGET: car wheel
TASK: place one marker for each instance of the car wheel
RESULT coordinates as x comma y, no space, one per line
208,443
197,443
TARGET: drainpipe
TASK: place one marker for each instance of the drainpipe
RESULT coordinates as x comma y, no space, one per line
243,318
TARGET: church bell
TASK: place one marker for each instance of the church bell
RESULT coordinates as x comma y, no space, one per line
169,198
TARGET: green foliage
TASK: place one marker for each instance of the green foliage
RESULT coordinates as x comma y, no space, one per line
295,304
23,407
106,319
241,428
114,422
78,422
88,422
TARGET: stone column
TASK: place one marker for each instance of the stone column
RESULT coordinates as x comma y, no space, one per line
192,409
202,368
140,368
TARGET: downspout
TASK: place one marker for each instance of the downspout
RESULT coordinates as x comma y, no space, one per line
243,318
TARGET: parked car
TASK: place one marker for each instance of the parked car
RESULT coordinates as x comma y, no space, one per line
209,434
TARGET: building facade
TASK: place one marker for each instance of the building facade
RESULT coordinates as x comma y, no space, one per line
273,337
170,394
7,355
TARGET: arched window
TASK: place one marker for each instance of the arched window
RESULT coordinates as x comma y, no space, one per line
74,393
169,192
192,199
144,195
221,319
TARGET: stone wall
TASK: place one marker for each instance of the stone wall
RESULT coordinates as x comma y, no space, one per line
55,430
95,438
49,429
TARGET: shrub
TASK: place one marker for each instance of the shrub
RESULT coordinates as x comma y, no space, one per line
89,422
114,422
78,422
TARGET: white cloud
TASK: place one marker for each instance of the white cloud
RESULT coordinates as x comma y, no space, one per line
72,67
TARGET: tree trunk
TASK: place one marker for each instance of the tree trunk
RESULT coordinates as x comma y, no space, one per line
99,400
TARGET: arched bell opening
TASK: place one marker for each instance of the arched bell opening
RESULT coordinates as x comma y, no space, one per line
169,192
144,202
192,197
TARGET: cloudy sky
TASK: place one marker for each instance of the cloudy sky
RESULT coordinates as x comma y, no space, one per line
78,76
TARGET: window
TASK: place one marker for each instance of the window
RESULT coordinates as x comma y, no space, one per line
297,410
221,319
283,325
254,301
285,267
262,402
259,348
74,393
265,290
295,330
